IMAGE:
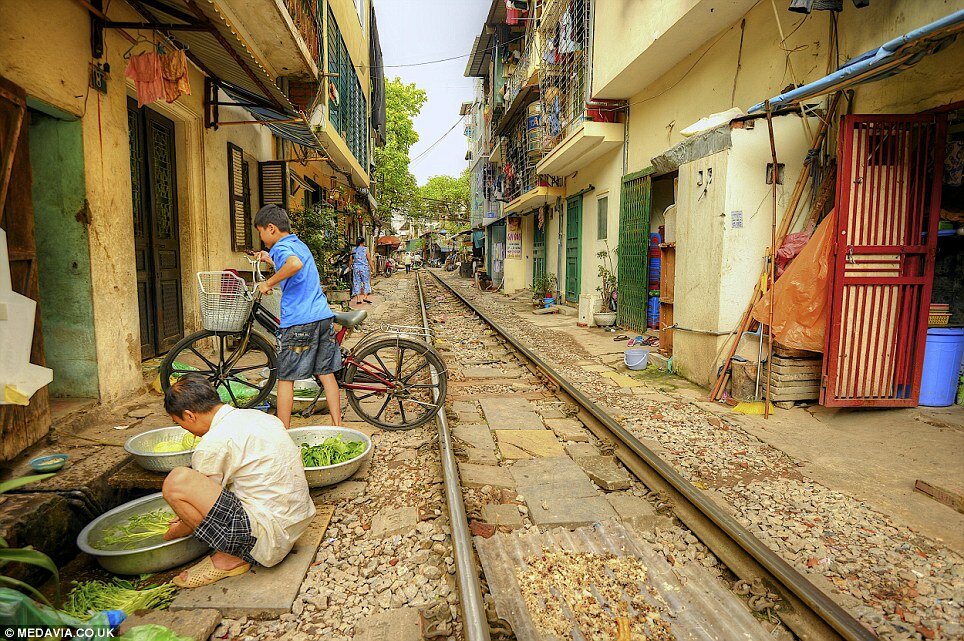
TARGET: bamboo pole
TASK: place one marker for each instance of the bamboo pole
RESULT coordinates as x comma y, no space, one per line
768,392
790,214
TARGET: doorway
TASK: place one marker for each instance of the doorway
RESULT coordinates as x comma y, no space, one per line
156,245
573,249
538,247
63,252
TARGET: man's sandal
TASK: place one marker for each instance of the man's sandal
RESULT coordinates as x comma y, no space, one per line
205,573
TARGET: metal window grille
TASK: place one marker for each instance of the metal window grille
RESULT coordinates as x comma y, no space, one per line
519,168
347,108
564,67
303,14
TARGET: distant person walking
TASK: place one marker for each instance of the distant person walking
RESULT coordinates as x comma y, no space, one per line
408,262
362,267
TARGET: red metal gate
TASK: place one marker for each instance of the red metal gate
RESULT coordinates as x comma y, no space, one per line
888,199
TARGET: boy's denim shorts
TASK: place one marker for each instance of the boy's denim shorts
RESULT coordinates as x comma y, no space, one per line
306,350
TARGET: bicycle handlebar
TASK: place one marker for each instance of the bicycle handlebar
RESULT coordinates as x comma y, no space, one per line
258,276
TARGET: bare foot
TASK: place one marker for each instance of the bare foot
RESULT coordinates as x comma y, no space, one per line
177,529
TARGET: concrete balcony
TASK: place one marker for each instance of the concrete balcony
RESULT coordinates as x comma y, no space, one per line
649,37
584,145
337,148
532,199
283,34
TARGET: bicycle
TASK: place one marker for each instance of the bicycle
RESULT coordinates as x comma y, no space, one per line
392,379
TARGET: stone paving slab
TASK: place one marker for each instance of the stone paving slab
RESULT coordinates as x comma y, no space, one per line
622,380
390,521
523,444
571,512
504,515
470,418
511,413
480,457
596,367
402,624
604,472
341,491
633,510
261,593
581,488
576,450
195,624
568,429
465,406
550,412
547,471
476,476
475,436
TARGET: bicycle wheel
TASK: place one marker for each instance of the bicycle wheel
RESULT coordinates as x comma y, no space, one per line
243,375
399,370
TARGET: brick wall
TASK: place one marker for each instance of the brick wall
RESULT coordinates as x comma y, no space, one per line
302,94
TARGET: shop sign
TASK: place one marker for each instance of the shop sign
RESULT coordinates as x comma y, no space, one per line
513,237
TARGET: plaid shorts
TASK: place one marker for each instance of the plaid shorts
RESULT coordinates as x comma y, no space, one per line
227,528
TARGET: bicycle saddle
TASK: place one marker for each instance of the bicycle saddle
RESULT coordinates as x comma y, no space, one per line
351,319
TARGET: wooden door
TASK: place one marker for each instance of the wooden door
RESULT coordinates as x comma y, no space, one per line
573,248
156,244
888,204
20,426
633,270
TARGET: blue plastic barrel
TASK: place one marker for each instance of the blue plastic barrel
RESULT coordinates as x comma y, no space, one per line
942,366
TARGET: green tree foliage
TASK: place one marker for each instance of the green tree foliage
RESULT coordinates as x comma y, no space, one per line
398,189
445,199
317,227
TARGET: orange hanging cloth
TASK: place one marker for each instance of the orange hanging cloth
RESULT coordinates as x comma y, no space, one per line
174,72
145,70
802,293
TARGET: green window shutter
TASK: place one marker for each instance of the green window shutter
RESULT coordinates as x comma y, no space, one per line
273,183
602,218
239,201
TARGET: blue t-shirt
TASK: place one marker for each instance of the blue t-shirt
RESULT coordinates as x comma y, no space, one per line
302,300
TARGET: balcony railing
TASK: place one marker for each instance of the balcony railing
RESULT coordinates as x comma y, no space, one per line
303,14
564,68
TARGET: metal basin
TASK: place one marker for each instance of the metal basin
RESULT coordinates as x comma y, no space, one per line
153,557
331,474
141,448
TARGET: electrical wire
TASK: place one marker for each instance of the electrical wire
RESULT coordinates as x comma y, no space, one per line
431,62
428,149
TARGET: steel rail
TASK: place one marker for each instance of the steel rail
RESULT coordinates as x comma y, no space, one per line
806,610
475,625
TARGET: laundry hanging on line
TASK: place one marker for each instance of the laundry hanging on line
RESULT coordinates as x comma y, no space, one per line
159,75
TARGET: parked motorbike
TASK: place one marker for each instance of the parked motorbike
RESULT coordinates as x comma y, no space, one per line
389,268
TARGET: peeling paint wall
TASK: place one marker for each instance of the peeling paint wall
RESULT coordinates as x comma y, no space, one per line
51,64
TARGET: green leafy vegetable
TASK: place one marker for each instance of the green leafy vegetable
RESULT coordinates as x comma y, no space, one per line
89,597
333,450
183,444
137,529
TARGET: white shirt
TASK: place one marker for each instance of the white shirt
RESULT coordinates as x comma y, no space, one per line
250,454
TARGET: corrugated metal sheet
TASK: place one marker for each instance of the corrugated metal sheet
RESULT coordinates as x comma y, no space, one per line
700,608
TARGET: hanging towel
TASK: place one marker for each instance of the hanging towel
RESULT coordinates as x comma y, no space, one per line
145,70
174,72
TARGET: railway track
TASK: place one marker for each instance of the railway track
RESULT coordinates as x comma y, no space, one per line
803,608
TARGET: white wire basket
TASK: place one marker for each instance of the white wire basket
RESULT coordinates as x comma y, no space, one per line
225,301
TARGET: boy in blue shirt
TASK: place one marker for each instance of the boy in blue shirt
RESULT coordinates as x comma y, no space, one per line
306,340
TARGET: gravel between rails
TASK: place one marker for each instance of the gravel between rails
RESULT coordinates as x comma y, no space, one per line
356,574
897,582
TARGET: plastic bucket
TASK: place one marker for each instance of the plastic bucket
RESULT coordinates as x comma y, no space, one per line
548,302
636,358
942,366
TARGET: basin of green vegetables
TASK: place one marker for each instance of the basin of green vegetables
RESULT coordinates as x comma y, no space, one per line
130,538
331,454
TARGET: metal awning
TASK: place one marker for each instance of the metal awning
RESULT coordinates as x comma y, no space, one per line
214,46
478,64
887,60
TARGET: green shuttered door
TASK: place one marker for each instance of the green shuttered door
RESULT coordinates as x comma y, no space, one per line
634,251
573,248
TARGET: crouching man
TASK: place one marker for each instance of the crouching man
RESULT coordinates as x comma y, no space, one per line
246,495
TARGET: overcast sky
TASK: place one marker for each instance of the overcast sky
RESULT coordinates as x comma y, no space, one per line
417,31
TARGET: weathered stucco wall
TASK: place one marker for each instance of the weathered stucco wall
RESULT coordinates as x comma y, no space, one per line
57,75
707,81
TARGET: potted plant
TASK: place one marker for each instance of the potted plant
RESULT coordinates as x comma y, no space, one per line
606,316
317,227
544,288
